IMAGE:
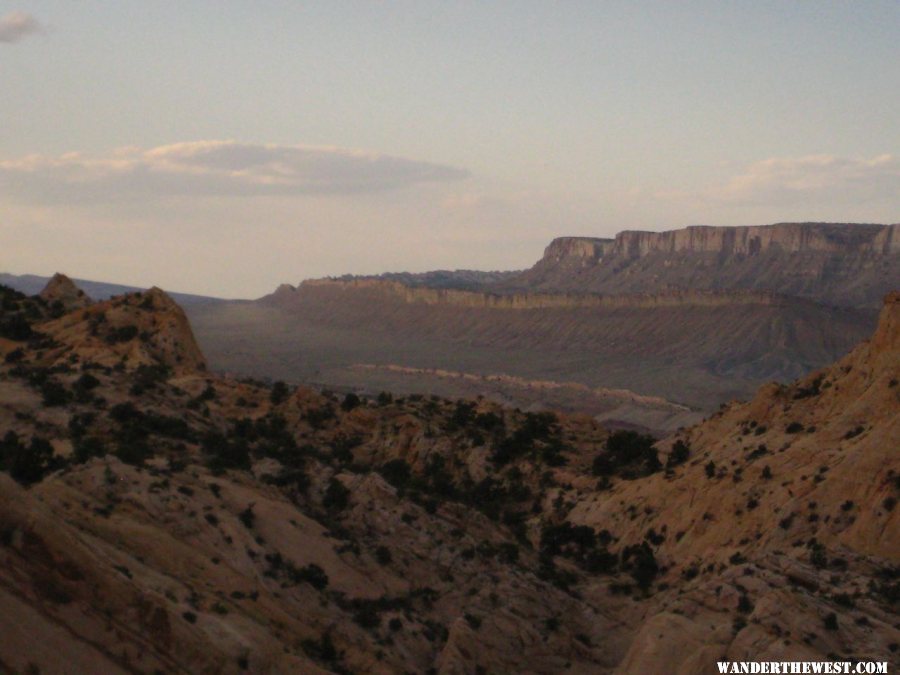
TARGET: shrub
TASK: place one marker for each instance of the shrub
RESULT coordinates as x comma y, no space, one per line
27,464
397,472
225,453
680,453
629,453
350,402
54,394
247,517
279,393
793,428
322,649
312,574
641,563
121,334
337,497
383,555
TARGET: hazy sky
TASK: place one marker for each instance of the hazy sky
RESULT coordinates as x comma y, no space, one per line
223,147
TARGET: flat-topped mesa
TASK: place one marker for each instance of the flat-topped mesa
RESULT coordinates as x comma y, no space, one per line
845,265
756,239
62,292
144,328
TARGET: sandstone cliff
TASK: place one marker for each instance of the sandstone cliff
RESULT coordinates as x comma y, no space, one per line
832,263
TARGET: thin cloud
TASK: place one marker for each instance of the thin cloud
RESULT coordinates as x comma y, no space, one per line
787,180
17,25
215,168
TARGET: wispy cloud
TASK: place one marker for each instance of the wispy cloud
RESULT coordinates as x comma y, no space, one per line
215,168
17,25
786,180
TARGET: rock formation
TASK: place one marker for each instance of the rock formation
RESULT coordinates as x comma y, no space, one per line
60,289
143,328
836,264
168,519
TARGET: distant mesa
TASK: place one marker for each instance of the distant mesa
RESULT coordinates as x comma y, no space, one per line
847,265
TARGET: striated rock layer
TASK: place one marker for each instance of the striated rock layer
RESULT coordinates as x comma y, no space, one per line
832,263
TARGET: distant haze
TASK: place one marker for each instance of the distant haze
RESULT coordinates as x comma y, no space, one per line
223,147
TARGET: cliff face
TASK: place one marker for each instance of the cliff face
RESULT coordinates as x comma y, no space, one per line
753,240
285,295
837,264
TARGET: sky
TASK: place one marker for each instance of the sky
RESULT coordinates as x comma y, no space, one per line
223,147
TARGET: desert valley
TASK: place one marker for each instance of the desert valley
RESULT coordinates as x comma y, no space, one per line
159,515
449,338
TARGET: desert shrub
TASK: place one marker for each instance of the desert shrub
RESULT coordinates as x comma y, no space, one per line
148,377
54,394
812,390
322,649
350,402
15,327
224,452
641,564
710,469
317,417
15,356
383,555
121,334
397,472
793,428
311,574
133,451
567,539
462,416
680,453
87,447
629,454
247,517
337,496
27,464
280,392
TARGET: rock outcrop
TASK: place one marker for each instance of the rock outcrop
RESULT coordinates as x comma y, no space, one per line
62,292
143,328
832,263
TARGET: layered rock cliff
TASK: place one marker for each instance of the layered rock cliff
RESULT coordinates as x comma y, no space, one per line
833,263
286,294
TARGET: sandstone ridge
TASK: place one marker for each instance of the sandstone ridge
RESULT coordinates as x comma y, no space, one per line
528,300
62,290
143,328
